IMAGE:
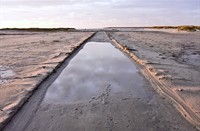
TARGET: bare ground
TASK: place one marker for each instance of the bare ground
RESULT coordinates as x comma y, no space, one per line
137,107
173,60
27,58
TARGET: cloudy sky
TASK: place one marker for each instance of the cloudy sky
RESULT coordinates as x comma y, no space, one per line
97,14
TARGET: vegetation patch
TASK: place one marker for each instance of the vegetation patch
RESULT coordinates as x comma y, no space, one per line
179,28
40,29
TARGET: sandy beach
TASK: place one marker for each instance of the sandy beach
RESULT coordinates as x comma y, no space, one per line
167,63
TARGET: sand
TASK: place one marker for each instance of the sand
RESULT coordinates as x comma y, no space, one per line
27,58
136,107
173,60
169,62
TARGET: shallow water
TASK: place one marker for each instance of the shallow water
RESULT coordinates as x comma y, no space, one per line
98,69
5,72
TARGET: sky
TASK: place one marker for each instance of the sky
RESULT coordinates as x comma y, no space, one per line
97,14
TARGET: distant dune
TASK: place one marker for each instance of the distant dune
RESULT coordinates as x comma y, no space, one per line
40,29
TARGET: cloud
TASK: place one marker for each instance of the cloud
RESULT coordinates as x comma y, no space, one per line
90,13
111,3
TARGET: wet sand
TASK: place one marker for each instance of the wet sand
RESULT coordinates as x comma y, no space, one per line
123,101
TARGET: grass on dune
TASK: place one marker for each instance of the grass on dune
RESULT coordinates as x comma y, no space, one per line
180,28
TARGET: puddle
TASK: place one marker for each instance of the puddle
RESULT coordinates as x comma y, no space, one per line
5,72
98,68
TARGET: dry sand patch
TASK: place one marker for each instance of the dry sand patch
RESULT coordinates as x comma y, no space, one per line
26,60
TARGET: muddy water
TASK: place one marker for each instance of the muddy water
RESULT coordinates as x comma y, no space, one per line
98,68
